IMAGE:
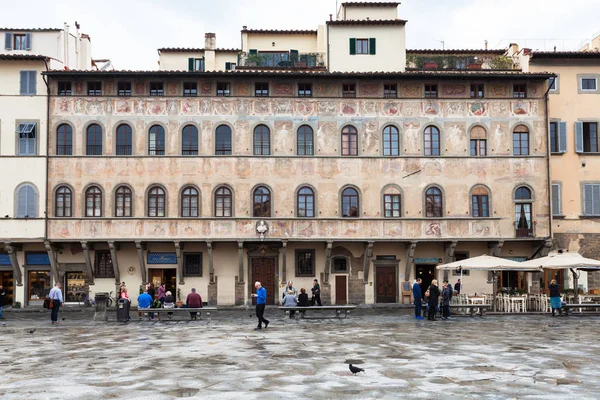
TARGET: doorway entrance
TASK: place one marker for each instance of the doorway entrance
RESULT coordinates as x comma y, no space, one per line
386,284
263,271
6,278
168,276
341,289
427,273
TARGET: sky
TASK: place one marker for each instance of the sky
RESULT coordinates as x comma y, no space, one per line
130,31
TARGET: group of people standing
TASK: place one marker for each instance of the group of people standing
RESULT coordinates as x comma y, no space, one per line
435,299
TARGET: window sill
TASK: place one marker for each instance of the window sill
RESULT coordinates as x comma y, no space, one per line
557,153
589,217
588,153
559,216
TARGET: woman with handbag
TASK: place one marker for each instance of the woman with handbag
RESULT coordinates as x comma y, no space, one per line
432,299
56,299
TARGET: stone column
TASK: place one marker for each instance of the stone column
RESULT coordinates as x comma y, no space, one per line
367,261
179,254
140,252
113,247
88,262
211,266
325,279
284,261
53,263
410,256
449,256
240,262
12,254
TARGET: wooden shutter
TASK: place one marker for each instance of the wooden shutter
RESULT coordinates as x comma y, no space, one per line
294,56
252,51
26,202
227,66
24,82
352,46
562,137
591,199
31,82
202,64
190,64
556,199
8,41
579,137
28,41
30,202
372,46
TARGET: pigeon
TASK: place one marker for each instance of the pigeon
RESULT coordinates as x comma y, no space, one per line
355,370
31,331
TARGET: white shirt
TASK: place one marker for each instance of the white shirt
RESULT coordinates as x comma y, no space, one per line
55,294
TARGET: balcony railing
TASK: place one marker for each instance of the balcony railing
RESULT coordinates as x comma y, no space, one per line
460,62
124,150
156,151
262,150
94,150
291,59
189,151
64,150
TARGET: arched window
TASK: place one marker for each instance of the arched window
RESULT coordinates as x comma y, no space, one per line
124,140
478,141
523,212
64,140
94,140
261,202
521,140
93,202
156,202
189,202
391,141
432,141
63,202
349,141
480,202
262,142
223,141
433,203
306,202
156,141
123,202
26,202
305,143
223,202
350,206
189,141
392,202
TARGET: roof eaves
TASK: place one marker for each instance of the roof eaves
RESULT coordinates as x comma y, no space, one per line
371,4
31,29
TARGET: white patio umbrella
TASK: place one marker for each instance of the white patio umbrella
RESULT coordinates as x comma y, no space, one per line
488,263
565,260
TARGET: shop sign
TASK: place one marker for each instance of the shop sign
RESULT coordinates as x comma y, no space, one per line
162,258
430,260
37,259
4,259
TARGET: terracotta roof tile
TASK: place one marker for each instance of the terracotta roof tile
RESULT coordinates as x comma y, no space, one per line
194,49
31,29
16,57
281,31
565,54
456,51
371,4
369,22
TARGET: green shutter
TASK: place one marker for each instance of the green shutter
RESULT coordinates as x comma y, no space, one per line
190,64
352,46
372,46
202,64
227,66
253,51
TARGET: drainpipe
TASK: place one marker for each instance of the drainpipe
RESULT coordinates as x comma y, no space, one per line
47,150
548,155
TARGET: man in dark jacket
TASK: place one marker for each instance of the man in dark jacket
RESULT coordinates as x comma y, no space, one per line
193,301
316,293
433,299
458,287
446,300
418,299
2,299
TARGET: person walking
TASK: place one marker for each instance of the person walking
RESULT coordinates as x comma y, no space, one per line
290,301
261,302
316,293
446,296
2,300
555,301
433,299
290,286
56,298
418,298
193,301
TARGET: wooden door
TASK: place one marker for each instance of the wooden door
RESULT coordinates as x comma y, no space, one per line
6,278
386,284
341,293
263,271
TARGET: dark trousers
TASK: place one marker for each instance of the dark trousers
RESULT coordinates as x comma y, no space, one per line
316,299
55,307
260,312
431,313
446,311
193,314
418,308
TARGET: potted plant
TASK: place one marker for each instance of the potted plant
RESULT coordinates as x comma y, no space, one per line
179,302
253,60
16,304
430,65
474,65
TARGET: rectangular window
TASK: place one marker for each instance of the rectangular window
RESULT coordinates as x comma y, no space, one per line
340,265
103,265
199,64
64,88
223,89
431,92
588,84
261,89
591,199
39,284
19,42
556,201
391,203
520,143
190,89
348,90
94,88
157,89
519,90
477,91
124,88
26,132
590,137
305,263
390,91
478,147
192,264
362,46
304,90
553,84
480,205
28,82
554,137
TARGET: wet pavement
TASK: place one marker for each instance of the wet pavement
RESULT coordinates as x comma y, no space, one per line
494,357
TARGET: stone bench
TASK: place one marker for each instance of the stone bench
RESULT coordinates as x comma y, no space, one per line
473,309
569,307
207,310
338,310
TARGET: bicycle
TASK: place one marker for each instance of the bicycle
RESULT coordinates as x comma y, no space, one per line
87,302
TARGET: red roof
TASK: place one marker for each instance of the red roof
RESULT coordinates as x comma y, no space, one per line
369,22
194,49
281,31
23,57
371,4
456,51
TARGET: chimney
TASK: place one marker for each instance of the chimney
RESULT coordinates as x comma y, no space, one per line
245,27
210,41
513,49
486,44
555,49
331,17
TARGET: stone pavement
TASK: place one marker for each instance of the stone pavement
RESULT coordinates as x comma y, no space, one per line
495,357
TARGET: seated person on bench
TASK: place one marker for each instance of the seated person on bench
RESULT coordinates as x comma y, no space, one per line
193,301
303,300
169,302
290,301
